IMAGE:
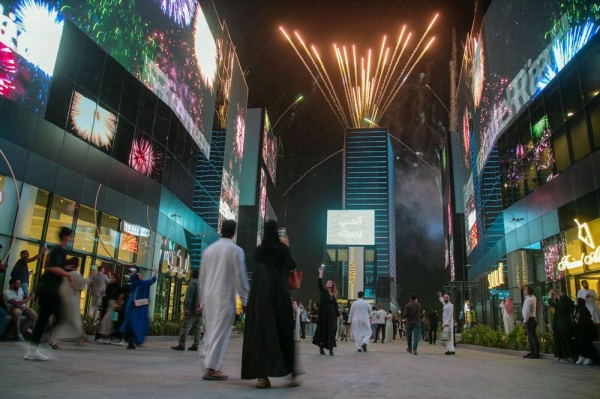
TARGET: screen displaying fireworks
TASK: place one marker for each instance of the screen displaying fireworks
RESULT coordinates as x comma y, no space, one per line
29,41
91,122
262,206
142,157
369,83
269,150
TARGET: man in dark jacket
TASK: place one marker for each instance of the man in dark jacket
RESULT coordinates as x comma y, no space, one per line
433,326
192,315
412,313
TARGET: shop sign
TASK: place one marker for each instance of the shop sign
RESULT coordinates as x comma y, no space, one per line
585,235
134,229
502,294
496,278
176,264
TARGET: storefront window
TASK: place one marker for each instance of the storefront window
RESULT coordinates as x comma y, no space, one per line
85,231
34,203
594,111
35,267
61,215
109,232
128,247
579,136
561,150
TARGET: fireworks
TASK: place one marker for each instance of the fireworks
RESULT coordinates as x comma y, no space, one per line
205,50
564,49
368,88
474,63
238,139
91,122
41,32
142,157
466,137
8,69
180,11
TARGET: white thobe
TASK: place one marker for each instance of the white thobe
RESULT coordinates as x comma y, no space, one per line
222,276
590,303
296,323
509,321
448,320
360,317
389,327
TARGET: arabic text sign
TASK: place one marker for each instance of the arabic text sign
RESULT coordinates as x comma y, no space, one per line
351,227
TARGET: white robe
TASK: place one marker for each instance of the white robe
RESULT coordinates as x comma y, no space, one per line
389,327
590,303
508,319
448,320
222,276
360,317
70,326
296,323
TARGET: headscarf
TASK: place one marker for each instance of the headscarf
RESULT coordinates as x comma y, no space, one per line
509,306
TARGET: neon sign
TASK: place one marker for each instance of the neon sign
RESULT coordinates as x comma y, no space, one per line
496,278
585,235
182,268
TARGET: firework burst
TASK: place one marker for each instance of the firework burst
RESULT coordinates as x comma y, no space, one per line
368,87
142,157
238,140
41,32
466,137
91,122
205,50
180,11
8,68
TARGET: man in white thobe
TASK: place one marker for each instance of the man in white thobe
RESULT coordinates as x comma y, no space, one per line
222,276
360,321
590,297
448,321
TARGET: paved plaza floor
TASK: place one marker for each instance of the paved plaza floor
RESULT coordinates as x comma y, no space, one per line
385,371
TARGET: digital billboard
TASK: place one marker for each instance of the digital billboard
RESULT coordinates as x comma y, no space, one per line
510,56
356,227
262,206
269,150
30,34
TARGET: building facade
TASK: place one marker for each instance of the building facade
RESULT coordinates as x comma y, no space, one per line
525,159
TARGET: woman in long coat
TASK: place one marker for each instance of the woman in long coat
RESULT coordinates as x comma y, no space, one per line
268,349
562,324
329,313
586,333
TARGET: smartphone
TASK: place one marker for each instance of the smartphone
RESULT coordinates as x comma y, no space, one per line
322,267
282,232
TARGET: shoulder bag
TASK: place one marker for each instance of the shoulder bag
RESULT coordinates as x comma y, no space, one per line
140,302
295,279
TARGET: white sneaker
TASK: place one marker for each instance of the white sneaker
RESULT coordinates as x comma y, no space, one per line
580,360
587,362
31,355
102,341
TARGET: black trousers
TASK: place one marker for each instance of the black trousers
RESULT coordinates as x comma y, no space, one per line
432,333
380,327
303,329
49,305
534,344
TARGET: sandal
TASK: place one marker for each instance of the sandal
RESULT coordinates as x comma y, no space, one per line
54,345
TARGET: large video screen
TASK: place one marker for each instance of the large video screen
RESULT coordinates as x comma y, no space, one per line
262,206
167,45
269,150
513,52
30,34
351,227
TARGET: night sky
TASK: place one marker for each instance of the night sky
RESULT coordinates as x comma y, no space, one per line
310,132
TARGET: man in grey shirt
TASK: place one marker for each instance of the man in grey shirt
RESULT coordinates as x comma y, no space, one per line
192,315
98,282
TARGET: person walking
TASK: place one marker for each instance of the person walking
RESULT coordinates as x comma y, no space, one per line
314,319
222,276
328,316
296,317
137,321
530,323
381,317
345,325
268,349
412,314
359,320
448,321
586,333
374,323
433,326
591,300
192,315
47,291
389,325
508,308
562,326
303,319
21,271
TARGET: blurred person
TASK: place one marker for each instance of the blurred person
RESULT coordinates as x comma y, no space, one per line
585,333
381,317
530,323
16,304
359,320
374,322
268,349
192,315
21,270
70,326
562,325
433,326
296,317
222,276
47,291
424,327
137,320
303,319
448,321
314,318
395,326
98,281
118,336
590,297
412,315
328,316
508,308
2,311
345,325
112,292
389,325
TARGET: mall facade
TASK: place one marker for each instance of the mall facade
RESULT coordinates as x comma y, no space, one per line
525,161
133,138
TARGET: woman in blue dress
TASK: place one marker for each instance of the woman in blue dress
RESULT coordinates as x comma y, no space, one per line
137,320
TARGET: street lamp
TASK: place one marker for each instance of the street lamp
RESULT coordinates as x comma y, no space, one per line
286,111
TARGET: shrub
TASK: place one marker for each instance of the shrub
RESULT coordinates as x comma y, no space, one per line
164,327
516,340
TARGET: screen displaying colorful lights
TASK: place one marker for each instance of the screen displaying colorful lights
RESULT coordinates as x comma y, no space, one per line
269,150
91,122
29,38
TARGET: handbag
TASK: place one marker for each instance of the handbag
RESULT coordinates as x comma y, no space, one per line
140,302
295,279
444,335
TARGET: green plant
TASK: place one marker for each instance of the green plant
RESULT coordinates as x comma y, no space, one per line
164,327
239,326
516,340
89,325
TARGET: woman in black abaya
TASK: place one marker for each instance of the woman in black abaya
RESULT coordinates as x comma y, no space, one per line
324,336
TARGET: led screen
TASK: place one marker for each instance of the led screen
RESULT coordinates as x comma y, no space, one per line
351,227
167,45
262,206
91,122
30,34
269,150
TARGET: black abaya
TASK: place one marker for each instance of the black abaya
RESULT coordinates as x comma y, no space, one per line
327,323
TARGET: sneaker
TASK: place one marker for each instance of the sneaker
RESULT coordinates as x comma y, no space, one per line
178,348
580,360
587,362
102,341
35,355
20,338
409,350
